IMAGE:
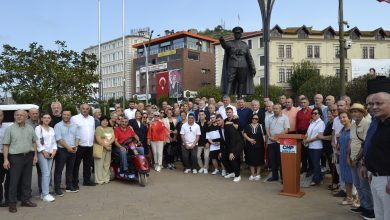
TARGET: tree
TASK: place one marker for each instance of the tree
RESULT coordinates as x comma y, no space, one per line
357,88
210,91
274,93
325,85
302,72
41,76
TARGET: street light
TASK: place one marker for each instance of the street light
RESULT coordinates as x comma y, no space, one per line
100,55
266,9
147,50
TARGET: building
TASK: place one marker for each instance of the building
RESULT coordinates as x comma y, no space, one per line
112,65
294,44
187,56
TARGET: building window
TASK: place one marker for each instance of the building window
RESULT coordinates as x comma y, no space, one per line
288,74
281,51
338,74
205,71
365,52
302,34
354,36
262,60
379,36
178,43
337,52
309,51
261,43
143,75
275,33
153,88
328,35
193,55
316,51
372,53
250,44
288,51
282,77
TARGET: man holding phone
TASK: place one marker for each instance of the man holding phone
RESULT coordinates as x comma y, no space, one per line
67,139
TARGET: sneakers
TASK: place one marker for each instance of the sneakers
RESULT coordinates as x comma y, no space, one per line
58,192
368,215
340,193
272,179
194,171
205,171
71,190
230,175
251,178
187,170
223,173
201,170
215,172
257,178
158,168
237,179
48,198
359,210
347,201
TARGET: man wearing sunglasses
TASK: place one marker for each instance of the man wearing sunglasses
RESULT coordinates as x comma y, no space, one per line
190,134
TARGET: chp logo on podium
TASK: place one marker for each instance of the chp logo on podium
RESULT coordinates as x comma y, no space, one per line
288,146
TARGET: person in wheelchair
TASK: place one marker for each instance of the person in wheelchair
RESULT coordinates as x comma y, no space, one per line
126,141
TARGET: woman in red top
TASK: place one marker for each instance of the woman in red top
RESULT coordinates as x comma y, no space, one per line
157,135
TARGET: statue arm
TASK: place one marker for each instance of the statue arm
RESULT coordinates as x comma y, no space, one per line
250,61
224,45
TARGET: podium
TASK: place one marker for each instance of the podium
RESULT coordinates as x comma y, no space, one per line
290,152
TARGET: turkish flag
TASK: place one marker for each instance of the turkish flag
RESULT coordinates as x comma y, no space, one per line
162,84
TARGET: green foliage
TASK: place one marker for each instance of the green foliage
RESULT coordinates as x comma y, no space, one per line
161,99
40,76
217,32
210,91
325,85
274,93
357,88
302,72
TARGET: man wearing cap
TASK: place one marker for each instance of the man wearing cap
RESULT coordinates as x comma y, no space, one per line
359,129
238,66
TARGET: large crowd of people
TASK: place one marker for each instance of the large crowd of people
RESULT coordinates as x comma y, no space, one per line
349,141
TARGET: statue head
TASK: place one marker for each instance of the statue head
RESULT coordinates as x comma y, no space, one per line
237,31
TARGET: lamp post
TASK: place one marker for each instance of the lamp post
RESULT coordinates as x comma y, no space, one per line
147,50
266,9
100,55
342,49
123,54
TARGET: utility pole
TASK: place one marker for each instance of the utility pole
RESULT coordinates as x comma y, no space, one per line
100,55
147,50
266,9
342,49
123,54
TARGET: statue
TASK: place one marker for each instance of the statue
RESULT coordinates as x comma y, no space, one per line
238,67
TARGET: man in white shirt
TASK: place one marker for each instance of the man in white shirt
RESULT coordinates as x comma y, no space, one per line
226,103
190,133
4,175
86,129
130,112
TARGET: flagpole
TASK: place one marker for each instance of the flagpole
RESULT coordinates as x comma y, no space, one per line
123,54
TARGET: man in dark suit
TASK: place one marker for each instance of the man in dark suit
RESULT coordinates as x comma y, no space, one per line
232,145
202,106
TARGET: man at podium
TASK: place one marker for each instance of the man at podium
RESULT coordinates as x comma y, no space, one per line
276,124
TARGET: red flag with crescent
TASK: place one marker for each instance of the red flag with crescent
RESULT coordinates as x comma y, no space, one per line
162,84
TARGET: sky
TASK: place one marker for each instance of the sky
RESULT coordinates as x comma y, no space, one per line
76,21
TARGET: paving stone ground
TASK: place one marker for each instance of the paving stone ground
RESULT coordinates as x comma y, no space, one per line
174,195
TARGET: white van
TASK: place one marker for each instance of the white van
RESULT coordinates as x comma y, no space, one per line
9,110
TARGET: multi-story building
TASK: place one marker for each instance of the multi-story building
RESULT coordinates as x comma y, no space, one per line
191,54
295,44
112,65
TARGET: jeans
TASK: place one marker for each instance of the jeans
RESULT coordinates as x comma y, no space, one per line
45,165
189,157
381,197
363,188
315,157
4,175
123,155
64,157
206,153
231,166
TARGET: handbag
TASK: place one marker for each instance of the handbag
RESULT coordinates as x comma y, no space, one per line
97,151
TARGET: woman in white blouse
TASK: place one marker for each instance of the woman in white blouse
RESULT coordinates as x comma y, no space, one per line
316,128
47,148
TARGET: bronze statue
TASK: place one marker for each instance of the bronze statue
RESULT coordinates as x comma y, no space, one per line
238,67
